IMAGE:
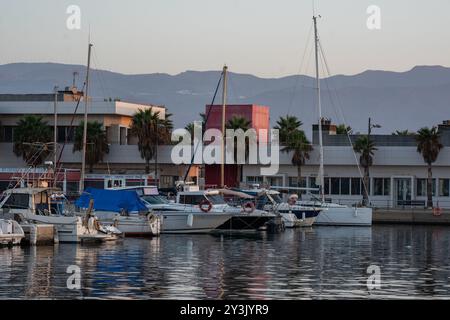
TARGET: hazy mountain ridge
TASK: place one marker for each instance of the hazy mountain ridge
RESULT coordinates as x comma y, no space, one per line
396,100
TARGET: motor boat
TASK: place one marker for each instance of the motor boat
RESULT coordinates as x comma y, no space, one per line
293,215
123,209
245,215
179,218
42,205
334,214
11,233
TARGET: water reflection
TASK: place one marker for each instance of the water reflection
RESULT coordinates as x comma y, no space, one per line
319,263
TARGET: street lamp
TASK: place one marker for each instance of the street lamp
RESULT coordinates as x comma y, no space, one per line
158,125
372,126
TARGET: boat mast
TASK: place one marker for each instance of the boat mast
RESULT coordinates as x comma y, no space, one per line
319,105
55,142
224,103
83,156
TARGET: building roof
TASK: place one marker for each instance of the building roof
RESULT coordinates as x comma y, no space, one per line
95,107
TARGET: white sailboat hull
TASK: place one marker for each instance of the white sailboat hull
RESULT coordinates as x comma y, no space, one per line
345,216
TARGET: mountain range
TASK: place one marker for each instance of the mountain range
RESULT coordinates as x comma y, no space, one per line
395,100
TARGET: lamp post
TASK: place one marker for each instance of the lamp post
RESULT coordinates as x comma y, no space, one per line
370,127
369,131
158,125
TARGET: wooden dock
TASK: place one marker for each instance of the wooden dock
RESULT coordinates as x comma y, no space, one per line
411,216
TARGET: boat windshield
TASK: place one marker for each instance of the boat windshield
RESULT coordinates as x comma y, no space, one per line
216,199
276,198
155,199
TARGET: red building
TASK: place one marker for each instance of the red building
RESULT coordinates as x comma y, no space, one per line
259,119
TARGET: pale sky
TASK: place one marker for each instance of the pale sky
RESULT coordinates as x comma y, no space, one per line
262,37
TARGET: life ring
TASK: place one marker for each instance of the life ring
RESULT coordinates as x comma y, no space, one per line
437,211
204,203
249,207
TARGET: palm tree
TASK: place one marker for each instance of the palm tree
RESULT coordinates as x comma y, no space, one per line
365,147
343,129
287,126
402,133
236,123
31,137
151,131
429,145
96,143
299,145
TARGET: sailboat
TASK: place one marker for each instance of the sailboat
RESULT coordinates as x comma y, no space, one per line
332,213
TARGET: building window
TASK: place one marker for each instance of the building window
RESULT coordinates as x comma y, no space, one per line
72,187
327,186
293,182
123,136
7,134
167,181
97,184
335,185
422,187
66,133
345,186
356,186
381,186
444,186
254,180
275,181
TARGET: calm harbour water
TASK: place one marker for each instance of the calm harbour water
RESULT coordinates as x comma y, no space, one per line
317,263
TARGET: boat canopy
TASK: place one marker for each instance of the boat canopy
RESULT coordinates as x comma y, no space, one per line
111,200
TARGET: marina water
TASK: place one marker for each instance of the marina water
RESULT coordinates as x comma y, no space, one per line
317,263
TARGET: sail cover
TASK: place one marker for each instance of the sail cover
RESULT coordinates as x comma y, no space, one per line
112,200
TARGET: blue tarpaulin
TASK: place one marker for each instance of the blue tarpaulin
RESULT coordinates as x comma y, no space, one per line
111,200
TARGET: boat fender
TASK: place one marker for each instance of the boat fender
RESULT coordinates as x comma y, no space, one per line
205,205
190,220
249,207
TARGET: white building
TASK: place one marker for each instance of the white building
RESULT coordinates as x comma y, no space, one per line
397,176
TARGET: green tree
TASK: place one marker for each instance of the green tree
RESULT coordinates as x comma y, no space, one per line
343,129
402,133
151,131
429,146
300,147
96,142
31,138
366,148
286,127
236,123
